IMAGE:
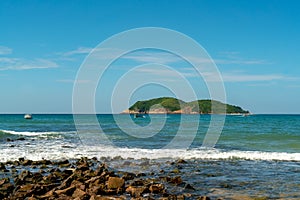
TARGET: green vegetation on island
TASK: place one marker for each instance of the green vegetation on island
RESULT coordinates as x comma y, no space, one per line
173,105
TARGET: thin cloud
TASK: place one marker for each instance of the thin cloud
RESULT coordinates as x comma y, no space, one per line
5,50
165,72
21,64
80,50
72,81
153,57
227,77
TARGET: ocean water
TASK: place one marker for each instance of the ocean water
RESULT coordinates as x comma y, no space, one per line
256,155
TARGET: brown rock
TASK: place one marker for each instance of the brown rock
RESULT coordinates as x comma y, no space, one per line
49,194
68,191
3,181
136,191
157,188
78,185
181,161
80,193
115,183
96,190
203,198
176,180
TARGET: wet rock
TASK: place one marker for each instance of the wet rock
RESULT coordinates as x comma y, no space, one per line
156,188
3,168
141,174
127,163
27,162
138,183
176,171
136,191
115,183
189,187
181,161
176,180
25,176
21,139
128,176
9,140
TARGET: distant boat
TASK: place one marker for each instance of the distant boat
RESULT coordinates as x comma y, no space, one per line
28,116
138,115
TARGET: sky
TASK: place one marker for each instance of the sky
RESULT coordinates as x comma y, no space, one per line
254,44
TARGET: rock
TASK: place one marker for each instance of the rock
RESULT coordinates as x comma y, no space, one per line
68,191
115,183
176,180
49,194
189,187
78,193
96,190
128,176
61,162
24,191
136,191
9,140
141,174
137,183
157,188
203,198
176,171
181,161
79,185
2,166
3,181
6,189
27,162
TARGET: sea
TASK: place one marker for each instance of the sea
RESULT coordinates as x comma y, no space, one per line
253,156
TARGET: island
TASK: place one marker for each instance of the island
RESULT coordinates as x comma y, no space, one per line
171,105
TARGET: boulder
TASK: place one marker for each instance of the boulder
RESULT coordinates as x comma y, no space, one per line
78,193
115,183
136,191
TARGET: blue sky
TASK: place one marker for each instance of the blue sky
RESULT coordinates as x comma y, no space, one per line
255,45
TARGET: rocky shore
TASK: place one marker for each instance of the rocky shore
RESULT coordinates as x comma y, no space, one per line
87,179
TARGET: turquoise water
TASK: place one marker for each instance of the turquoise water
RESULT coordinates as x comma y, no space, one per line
256,133
257,155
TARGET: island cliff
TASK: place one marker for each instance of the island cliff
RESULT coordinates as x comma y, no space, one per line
172,105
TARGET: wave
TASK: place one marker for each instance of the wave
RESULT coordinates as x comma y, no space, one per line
210,154
28,133
53,151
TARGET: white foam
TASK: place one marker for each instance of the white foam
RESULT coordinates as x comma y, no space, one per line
27,133
55,150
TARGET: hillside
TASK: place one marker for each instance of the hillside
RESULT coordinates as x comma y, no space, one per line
173,106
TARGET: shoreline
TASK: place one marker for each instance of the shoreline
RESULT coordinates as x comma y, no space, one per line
87,178
94,179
